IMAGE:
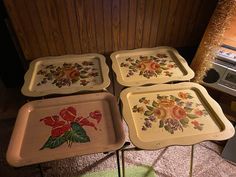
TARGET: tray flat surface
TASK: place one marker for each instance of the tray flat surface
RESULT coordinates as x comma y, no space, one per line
66,74
150,66
63,127
170,114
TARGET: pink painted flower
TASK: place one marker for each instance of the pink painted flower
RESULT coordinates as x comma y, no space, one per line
198,112
195,123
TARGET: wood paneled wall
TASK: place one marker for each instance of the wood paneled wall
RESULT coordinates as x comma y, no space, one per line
57,27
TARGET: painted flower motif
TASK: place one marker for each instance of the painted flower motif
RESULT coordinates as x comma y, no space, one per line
52,121
96,115
197,125
149,66
67,74
84,122
183,95
58,131
68,114
170,65
178,112
68,128
170,113
160,112
167,103
198,112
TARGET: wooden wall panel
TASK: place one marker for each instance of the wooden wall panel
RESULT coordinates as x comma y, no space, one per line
57,27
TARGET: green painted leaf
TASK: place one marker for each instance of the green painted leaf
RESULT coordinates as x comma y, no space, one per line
84,76
161,124
172,97
148,113
53,142
192,116
158,71
188,109
155,104
79,134
169,129
164,68
150,108
184,121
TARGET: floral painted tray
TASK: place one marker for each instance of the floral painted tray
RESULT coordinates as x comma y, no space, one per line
150,66
173,114
58,128
66,74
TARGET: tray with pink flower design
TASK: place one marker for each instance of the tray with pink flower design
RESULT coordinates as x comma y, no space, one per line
150,66
58,128
66,74
173,114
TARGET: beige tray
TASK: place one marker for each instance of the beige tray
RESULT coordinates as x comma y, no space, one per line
63,127
150,66
173,114
66,74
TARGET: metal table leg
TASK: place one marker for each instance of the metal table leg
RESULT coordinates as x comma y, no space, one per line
191,162
123,162
118,163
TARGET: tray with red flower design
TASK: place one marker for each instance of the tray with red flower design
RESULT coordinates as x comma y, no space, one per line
66,74
173,114
58,128
150,66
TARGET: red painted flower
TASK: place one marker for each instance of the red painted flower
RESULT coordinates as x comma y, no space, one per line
56,132
178,112
68,114
160,113
52,121
97,115
85,122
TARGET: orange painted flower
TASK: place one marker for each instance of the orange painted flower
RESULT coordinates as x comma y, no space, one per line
148,65
167,103
178,112
183,95
154,66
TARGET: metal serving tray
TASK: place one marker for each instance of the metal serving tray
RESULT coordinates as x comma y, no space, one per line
66,74
58,128
150,66
173,114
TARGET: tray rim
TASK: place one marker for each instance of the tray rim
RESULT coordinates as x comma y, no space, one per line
227,133
190,74
13,157
27,77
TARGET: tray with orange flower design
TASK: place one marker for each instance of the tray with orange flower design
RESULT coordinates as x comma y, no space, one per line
173,114
66,74
58,128
150,66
